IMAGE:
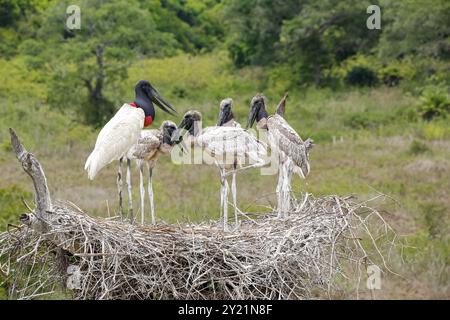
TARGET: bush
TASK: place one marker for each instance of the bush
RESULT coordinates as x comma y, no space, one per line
366,120
397,70
435,103
361,77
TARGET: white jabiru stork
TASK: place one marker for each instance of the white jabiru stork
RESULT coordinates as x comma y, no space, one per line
149,147
123,131
292,151
228,146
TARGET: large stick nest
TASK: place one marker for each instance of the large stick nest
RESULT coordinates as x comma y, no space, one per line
313,253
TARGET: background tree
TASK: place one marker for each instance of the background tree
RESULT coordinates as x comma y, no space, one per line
95,58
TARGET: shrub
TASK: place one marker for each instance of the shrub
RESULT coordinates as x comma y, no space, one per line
362,77
397,70
366,120
435,103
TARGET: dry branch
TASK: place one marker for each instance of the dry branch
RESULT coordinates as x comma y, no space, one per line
309,254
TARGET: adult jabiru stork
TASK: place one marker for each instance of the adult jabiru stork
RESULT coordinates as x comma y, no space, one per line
292,151
123,131
149,147
228,146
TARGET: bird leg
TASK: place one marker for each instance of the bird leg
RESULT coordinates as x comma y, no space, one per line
150,194
130,196
233,193
119,186
284,200
289,171
223,198
279,191
142,192
221,172
225,205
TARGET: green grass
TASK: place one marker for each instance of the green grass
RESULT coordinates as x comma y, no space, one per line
384,147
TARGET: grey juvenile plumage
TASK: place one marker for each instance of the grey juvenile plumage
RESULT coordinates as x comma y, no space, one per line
228,146
150,146
293,152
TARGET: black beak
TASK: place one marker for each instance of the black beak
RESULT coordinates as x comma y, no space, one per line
223,115
173,137
160,101
176,135
182,146
252,115
167,135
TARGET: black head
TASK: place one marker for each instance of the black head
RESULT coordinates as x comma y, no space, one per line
168,128
146,95
225,113
257,110
187,123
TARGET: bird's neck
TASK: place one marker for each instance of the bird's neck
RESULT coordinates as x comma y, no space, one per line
229,117
196,129
261,119
143,101
262,114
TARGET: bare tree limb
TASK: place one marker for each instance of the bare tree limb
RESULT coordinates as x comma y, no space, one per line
33,168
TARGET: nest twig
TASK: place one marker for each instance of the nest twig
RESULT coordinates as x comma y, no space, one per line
299,257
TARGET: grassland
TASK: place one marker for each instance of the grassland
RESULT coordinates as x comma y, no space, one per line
368,141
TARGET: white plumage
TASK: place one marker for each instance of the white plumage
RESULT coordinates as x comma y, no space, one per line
231,145
122,132
116,138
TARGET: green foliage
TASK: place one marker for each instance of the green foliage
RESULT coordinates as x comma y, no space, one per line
256,27
435,218
39,126
366,120
418,147
198,78
12,10
435,103
415,28
361,76
94,60
436,130
15,77
11,205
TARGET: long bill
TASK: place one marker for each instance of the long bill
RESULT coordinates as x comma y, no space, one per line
161,102
252,116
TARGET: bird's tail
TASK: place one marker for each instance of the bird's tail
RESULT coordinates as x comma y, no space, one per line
91,165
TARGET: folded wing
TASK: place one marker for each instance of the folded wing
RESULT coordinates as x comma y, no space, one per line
289,144
116,138
228,143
